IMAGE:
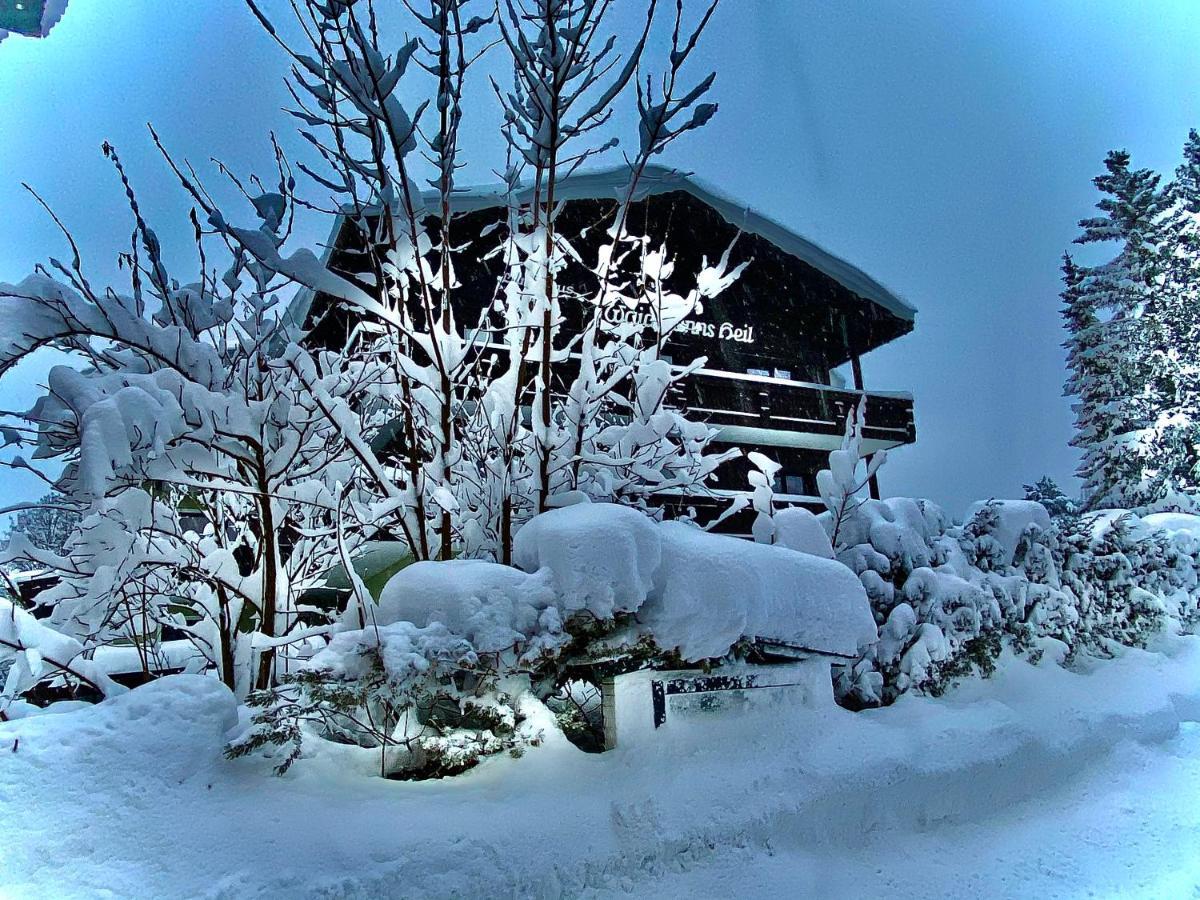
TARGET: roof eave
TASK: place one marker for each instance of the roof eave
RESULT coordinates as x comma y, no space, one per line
613,184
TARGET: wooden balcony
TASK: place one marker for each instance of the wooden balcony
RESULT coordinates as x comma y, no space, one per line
754,410
759,409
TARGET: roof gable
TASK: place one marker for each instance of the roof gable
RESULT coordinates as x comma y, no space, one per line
613,184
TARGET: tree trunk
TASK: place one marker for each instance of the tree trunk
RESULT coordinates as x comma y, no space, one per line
270,562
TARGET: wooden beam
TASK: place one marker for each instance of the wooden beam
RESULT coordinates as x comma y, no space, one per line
856,367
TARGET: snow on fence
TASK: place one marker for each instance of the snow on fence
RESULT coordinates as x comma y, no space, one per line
642,706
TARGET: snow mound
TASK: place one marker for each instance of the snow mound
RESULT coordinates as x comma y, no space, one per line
602,556
169,729
697,592
711,590
692,591
1174,522
798,529
491,605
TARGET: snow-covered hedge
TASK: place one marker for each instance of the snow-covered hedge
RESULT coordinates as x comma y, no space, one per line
946,597
452,662
435,673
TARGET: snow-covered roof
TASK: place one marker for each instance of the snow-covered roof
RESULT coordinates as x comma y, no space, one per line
613,184
32,18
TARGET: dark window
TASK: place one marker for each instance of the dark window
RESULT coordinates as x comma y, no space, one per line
794,484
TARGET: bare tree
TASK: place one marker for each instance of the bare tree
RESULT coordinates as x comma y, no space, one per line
221,467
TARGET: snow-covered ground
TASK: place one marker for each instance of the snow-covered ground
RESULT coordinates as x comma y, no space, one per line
1035,782
1127,826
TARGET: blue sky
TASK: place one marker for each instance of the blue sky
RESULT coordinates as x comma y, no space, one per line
944,147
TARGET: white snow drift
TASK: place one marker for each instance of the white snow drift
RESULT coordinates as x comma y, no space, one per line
690,591
131,798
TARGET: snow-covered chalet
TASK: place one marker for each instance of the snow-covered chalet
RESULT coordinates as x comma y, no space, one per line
776,341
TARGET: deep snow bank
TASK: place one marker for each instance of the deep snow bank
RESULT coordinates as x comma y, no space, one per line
711,590
695,592
130,798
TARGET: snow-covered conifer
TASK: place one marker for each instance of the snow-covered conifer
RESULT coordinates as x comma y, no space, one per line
46,525
1047,492
1173,341
1109,310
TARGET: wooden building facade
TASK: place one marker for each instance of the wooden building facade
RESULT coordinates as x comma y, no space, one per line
772,340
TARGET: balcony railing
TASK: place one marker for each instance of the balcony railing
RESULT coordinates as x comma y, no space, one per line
761,402
733,399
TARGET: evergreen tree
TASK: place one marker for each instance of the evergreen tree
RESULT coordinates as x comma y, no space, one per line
46,525
1172,332
1047,492
1110,350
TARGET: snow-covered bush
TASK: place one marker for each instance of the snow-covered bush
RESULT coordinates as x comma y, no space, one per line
213,462
433,674
425,697
453,650
946,597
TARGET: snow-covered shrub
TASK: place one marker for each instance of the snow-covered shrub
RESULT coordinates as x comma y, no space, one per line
210,460
995,531
430,702
1010,575
947,597
433,675
436,672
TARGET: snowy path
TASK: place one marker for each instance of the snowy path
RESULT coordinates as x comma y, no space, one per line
1035,782
1126,827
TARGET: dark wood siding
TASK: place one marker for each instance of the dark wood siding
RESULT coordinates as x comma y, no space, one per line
782,315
